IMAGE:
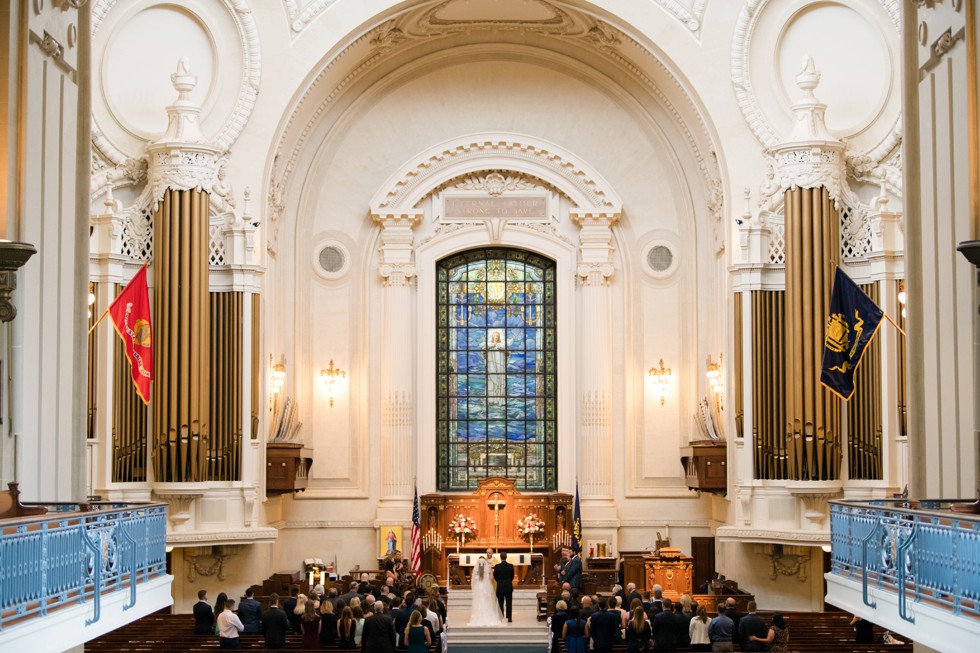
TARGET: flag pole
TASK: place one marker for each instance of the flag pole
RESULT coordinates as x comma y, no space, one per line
101,317
887,317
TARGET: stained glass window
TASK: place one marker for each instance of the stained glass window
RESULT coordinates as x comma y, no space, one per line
496,365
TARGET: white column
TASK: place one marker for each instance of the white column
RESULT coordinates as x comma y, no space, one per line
397,270
595,351
887,265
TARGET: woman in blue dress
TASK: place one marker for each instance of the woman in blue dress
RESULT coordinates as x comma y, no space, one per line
573,632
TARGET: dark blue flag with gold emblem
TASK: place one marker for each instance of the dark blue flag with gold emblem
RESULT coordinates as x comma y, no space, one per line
576,524
853,321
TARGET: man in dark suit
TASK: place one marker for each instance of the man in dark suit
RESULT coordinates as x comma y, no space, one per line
250,612
631,594
289,605
503,573
667,635
352,593
378,634
573,573
601,627
752,624
203,615
731,611
275,623
401,617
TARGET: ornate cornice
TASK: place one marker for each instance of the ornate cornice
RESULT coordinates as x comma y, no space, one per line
453,159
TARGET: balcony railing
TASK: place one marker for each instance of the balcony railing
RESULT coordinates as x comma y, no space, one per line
73,557
918,550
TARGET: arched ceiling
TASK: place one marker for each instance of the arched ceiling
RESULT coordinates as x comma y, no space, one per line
430,34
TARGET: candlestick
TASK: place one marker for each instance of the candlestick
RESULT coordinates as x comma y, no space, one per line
323,576
311,579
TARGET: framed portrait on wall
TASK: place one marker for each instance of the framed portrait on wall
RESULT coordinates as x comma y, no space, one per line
390,540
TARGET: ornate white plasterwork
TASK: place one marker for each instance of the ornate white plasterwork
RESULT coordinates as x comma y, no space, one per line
472,153
747,99
247,92
689,14
387,36
301,15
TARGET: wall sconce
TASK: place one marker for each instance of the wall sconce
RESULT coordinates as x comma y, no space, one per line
332,378
91,298
278,375
713,374
661,378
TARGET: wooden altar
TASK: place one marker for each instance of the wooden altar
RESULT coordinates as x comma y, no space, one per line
528,569
495,506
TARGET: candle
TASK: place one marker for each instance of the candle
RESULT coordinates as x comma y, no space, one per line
323,576
311,579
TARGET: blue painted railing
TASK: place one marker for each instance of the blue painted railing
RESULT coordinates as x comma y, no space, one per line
68,557
919,550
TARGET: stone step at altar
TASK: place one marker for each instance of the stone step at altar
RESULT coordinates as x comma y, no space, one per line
525,635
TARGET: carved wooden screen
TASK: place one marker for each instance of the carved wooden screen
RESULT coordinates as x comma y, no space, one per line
496,369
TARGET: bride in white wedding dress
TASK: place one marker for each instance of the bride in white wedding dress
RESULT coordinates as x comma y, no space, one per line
484,611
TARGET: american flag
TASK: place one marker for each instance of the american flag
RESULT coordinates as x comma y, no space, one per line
416,535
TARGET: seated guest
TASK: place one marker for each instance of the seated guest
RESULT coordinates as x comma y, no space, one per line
275,624
203,615
328,624
250,612
752,625
229,627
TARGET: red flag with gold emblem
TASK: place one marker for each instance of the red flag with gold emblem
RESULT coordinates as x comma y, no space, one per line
130,314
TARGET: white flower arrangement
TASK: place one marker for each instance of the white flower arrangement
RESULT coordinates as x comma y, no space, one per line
463,526
530,525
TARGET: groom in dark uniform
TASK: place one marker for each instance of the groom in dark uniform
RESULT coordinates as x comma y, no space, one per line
503,574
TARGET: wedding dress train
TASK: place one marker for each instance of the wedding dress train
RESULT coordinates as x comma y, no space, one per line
485,610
